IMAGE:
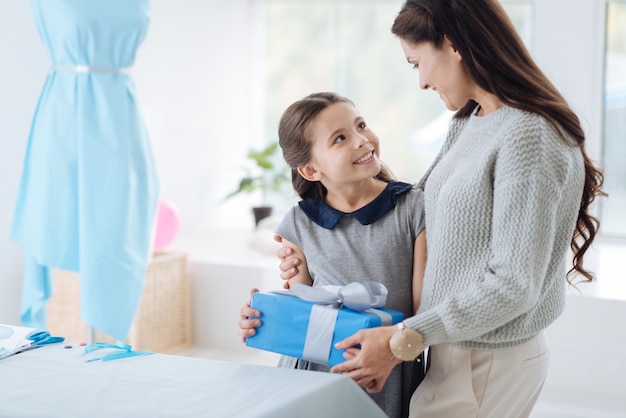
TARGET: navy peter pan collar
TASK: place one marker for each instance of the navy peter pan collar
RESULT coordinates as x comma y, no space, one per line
325,216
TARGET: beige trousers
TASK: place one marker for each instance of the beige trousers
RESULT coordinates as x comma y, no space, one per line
464,383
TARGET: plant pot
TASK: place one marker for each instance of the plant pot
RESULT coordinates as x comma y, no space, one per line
260,213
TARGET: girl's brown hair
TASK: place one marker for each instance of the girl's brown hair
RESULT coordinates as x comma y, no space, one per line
294,138
497,60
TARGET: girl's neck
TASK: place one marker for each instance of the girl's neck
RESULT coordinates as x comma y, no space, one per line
349,198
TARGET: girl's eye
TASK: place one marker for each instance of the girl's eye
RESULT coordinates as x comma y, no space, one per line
339,139
362,125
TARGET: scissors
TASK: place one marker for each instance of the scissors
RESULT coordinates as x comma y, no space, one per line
35,340
42,338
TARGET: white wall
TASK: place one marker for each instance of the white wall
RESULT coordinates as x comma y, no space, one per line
191,75
569,47
22,73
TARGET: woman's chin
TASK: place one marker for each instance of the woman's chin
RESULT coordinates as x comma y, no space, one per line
450,106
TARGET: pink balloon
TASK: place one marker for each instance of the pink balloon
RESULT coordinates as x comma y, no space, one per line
167,224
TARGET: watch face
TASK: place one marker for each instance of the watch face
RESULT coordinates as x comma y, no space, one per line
406,344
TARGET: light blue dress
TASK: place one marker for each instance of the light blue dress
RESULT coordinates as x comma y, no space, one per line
89,187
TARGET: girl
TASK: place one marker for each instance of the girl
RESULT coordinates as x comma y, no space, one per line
354,223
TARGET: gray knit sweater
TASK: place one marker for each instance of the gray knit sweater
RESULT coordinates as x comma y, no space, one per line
502,200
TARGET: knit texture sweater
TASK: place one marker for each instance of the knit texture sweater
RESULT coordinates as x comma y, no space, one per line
501,203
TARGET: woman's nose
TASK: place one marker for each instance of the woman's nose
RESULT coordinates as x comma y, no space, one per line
422,82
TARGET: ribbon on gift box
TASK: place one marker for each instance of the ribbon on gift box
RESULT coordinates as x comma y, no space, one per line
363,297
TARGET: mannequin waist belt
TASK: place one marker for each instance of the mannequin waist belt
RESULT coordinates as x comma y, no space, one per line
90,69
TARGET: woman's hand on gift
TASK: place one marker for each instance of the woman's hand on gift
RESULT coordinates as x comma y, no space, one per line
370,366
247,326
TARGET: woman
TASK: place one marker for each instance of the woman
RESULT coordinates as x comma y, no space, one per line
508,193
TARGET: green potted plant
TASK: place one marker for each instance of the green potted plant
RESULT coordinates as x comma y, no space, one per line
269,176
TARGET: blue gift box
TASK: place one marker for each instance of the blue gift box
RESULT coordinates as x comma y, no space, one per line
292,326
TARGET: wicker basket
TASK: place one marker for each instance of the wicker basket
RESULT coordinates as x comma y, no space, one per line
162,322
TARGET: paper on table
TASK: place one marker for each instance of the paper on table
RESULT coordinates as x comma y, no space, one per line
13,339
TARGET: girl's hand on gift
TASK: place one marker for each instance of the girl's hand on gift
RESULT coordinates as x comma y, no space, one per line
247,326
370,366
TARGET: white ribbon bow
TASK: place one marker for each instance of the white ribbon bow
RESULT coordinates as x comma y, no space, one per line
328,299
355,296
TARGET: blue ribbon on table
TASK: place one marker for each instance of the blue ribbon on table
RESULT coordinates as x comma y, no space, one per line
123,351
363,297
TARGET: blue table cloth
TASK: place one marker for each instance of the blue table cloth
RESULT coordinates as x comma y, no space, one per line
89,188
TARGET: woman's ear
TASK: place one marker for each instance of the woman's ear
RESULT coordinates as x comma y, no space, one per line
308,172
447,43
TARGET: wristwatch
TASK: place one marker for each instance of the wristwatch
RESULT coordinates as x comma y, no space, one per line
406,343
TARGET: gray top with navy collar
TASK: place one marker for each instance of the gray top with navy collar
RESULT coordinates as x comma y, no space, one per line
372,243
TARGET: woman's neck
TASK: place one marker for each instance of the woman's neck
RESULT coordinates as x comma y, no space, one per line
488,103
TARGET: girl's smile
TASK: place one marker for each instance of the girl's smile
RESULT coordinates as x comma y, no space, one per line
367,158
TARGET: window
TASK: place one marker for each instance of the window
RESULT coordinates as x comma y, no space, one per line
348,47
614,135
300,46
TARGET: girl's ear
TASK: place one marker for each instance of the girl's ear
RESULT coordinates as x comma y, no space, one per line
308,172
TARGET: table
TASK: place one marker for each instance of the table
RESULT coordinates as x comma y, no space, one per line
54,381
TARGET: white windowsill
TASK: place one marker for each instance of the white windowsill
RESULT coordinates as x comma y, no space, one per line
247,248
229,247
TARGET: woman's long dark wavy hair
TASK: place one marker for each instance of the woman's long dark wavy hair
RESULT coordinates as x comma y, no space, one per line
497,60
294,138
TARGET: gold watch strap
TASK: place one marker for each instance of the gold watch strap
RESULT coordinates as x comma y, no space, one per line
406,344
